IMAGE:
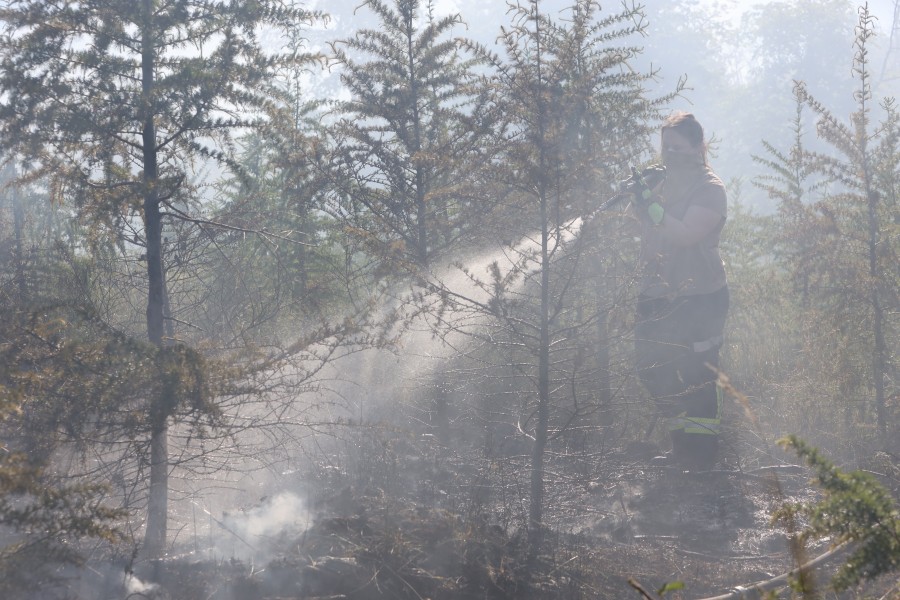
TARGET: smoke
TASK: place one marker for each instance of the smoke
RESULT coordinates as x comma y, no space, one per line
253,533
136,587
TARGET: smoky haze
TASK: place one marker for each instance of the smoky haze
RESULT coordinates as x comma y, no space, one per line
739,60
360,415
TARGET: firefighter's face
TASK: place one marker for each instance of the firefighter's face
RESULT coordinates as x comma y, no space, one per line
679,152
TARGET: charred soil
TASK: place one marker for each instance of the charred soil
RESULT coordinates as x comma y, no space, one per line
445,526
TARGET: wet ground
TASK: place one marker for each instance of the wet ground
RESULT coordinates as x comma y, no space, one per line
437,526
710,530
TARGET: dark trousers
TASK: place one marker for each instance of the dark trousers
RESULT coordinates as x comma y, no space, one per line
677,346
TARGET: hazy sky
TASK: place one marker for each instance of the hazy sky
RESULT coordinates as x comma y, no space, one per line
482,13
484,18
883,9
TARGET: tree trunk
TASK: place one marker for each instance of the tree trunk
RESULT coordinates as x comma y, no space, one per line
306,236
19,224
157,507
536,508
879,360
604,359
536,511
421,204
879,352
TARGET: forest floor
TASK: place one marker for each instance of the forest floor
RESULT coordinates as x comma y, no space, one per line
440,530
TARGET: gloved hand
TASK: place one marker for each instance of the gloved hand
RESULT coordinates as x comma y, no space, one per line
656,212
641,185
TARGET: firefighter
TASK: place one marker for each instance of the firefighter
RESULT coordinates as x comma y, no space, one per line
683,300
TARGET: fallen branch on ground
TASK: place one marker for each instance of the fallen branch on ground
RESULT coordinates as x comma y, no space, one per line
756,590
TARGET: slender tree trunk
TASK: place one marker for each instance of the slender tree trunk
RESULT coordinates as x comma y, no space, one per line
157,509
421,205
306,236
19,224
879,360
603,356
536,509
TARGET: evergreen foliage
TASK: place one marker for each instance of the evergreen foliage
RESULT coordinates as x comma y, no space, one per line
48,518
137,297
44,515
116,103
413,144
306,262
856,509
838,240
566,94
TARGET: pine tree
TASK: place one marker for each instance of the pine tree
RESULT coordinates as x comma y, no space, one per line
414,140
115,102
856,509
839,237
574,111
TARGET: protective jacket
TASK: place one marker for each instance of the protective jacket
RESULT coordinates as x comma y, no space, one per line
680,317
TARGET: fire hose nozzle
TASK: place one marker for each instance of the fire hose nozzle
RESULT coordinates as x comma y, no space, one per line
644,180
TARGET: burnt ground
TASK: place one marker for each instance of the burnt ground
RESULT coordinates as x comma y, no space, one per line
427,524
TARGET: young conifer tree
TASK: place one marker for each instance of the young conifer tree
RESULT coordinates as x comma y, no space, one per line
840,241
415,138
45,515
115,102
574,111
280,187
856,511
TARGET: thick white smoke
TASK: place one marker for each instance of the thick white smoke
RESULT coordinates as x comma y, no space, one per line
251,533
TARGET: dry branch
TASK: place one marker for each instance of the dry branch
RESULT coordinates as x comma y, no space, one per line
756,590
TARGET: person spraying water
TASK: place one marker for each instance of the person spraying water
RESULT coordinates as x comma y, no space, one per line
683,299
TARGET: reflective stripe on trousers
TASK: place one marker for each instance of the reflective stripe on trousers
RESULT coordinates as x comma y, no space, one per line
700,425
